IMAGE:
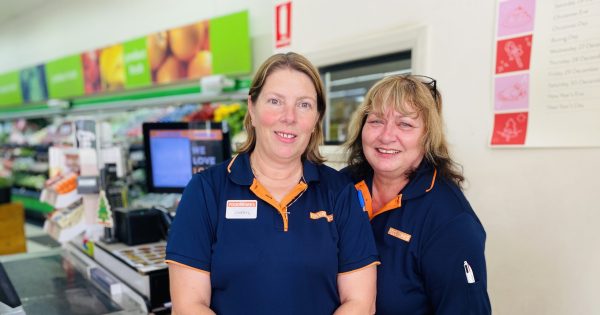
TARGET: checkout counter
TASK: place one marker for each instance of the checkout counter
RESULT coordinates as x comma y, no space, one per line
128,276
52,284
83,277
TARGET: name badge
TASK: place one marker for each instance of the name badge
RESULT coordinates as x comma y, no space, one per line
241,209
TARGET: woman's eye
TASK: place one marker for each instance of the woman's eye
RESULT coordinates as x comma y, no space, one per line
375,121
273,101
305,105
405,125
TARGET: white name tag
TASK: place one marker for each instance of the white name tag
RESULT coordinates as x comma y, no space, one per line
241,209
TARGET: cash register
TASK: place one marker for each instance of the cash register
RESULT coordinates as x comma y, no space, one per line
174,151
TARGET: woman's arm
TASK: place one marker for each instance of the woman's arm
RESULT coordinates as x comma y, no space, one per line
357,291
190,290
450,290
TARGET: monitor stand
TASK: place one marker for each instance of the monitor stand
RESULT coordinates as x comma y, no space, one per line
9,299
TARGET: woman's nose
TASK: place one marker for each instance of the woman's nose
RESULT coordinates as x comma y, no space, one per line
387,133
289,114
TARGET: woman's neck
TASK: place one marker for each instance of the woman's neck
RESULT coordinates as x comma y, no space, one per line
385,189
277,178
267,168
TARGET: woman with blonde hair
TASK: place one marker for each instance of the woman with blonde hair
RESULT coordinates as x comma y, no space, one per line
430,242
273,230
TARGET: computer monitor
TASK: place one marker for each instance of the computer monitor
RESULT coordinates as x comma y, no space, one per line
175,151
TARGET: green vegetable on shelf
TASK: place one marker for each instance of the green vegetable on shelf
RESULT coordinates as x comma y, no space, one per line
5,182
5,190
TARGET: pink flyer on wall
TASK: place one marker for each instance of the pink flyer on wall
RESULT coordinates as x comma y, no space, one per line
515,16
511,92
546,75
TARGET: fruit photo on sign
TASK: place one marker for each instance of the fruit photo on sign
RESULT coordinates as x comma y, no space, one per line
180,53
157,46
112,68
91,71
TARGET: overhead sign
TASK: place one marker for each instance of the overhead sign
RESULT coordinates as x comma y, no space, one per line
137,67
219,45
65,77
10,89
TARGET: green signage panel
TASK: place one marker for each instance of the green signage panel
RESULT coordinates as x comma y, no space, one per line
230,44
65,77
217,46
137,67
10,89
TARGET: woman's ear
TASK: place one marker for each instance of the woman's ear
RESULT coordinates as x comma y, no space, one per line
251,110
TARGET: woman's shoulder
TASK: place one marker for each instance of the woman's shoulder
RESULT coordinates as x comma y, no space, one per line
213,173
445,191
331,177
448,203
357,173
326,170
346,172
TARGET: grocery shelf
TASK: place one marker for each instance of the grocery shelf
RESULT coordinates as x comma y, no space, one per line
29,111
126,100
177,99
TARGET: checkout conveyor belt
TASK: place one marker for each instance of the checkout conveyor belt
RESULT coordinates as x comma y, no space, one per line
52,285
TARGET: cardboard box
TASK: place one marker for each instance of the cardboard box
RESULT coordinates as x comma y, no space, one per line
12,229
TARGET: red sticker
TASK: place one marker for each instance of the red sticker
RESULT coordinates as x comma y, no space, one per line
513,54
510,128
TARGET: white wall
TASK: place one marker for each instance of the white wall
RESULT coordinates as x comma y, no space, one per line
540,207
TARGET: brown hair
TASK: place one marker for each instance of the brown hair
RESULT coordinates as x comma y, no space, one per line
406,94
299,63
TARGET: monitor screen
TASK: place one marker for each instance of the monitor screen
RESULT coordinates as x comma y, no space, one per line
175,151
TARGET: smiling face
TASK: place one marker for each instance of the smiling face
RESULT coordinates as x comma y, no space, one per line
284,115
392,142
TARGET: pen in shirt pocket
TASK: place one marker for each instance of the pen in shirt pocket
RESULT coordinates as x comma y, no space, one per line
361,199
469,272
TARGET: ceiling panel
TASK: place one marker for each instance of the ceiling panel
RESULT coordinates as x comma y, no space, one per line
12,8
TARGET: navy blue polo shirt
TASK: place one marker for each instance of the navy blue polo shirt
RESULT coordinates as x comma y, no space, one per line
266,257
426,237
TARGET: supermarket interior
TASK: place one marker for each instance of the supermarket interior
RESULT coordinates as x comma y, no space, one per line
107,109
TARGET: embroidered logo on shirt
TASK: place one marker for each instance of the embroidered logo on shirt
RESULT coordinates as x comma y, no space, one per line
399,234
321,214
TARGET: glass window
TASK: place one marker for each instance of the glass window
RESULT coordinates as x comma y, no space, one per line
347,83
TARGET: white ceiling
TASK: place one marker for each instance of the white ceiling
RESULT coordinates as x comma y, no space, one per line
12,8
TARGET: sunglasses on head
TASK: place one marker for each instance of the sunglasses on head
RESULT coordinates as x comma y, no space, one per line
430,82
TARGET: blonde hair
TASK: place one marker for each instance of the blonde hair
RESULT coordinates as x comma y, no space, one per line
408,95
299,63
